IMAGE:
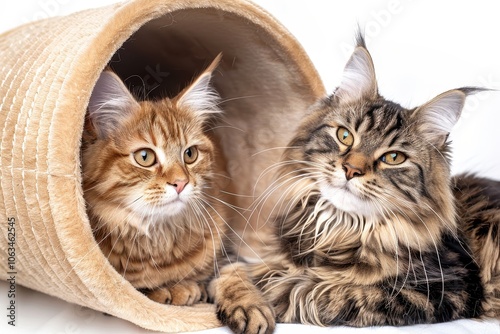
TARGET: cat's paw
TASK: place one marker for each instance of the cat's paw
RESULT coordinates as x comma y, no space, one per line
249,316
183,293
240,305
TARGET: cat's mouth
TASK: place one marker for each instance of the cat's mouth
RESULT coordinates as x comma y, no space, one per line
166,204
169,203
347,198
163,207
171,207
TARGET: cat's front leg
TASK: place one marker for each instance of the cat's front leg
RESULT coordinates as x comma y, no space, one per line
240,305
186,292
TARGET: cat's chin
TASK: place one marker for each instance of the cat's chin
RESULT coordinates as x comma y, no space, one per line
344,199
172,209
162,211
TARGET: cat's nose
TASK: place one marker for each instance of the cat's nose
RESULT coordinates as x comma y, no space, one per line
179,185
352,171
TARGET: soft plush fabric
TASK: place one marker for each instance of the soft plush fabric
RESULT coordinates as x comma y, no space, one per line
48,71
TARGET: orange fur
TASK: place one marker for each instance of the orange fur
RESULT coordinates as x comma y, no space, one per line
150,178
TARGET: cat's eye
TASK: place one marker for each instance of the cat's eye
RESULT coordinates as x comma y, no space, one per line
145,157
345,136
393,158
190,155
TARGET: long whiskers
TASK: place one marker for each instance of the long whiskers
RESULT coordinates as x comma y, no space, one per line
434,242
300,176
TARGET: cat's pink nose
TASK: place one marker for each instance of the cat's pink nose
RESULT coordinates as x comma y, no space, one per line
352,171
179,185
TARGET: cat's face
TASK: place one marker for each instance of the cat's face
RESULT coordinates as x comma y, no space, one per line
148,160
371,157
158,163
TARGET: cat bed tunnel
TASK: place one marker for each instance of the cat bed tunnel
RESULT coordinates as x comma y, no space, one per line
48,71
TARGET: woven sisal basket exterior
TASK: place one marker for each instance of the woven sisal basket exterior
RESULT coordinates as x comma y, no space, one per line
48,71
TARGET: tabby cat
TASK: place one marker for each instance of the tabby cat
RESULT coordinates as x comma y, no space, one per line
371,229
149,177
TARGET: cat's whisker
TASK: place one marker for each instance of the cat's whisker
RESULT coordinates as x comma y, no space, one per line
238,98
198,211
219,126
386,213
275,148
395,292
267,170
222,175
301,195
136,200
434,243
450,226
304,224
237,195
282,164
204,220
294,201
452,230
238,212
233,207
436,149
232,230
263,199
103,185
143,85
97,244
223,247
274,186
286,187
220,122
130,254
295,181
403,283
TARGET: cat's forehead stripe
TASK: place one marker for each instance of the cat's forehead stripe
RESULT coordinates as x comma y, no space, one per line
367,116
321,127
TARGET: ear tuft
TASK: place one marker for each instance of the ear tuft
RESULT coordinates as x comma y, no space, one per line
360,38
109,104
358,80
200,96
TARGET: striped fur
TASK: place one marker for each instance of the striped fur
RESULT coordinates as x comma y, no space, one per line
478,204
367,227
152,183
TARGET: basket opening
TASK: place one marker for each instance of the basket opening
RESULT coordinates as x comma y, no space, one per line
263,92
164,55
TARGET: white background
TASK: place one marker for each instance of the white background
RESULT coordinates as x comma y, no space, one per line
420,49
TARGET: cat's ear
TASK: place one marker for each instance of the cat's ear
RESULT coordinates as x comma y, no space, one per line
358,79
437,117
109,104
200,96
